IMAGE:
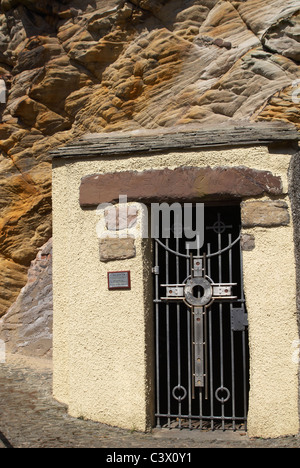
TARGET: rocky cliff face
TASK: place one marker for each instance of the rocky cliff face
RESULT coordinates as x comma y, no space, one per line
26,328
78,66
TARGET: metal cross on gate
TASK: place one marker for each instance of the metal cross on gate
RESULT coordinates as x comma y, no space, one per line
198,292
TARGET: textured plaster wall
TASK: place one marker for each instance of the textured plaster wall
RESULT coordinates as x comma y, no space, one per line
270,289
103,356
294,175
101,337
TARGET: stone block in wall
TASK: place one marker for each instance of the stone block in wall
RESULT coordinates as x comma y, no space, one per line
121,217
265,213
182,183
247,242
115,248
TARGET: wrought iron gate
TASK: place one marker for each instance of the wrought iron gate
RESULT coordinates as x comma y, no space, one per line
202,372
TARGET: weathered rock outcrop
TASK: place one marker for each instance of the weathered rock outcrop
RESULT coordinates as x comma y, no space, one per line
27,326
73,67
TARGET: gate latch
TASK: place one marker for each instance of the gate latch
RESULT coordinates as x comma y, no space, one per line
239,319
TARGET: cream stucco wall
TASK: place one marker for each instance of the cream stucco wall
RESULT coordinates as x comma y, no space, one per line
101,339
269,277
103,356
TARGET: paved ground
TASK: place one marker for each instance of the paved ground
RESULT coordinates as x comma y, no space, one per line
30,418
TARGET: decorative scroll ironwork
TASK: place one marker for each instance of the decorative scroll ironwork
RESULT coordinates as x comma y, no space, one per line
220,252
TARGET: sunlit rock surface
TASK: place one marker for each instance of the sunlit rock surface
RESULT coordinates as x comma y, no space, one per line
83,66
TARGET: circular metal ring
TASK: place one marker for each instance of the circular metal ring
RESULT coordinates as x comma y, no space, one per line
222,389
180,388
219,227
198,301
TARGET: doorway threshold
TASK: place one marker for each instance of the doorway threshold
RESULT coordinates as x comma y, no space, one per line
200,435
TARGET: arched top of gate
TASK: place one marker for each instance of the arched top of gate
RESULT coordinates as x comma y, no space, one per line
215,254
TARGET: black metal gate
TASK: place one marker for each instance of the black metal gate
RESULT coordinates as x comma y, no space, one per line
202,358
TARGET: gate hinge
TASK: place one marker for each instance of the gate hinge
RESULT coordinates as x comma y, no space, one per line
155,270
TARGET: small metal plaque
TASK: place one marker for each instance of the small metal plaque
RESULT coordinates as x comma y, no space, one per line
119,280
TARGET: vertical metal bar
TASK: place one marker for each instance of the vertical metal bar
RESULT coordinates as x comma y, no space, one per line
178,335
242,273
157,339
205,336
206,353
210,349
192,335
221,329
232,340
168,340
245,380
189,350
244,342
221,359
198,245
199,355
193,351
208,261
201,409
